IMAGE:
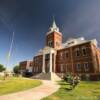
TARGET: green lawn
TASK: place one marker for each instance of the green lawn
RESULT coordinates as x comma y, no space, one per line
1,78
84,91
12,85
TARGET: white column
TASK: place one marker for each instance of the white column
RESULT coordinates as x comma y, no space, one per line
43,65
50,62
54,62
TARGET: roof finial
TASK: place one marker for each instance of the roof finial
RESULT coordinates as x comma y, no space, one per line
53,27
53,18
54,23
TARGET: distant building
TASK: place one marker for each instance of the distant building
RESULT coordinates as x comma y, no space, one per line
76,56
26,66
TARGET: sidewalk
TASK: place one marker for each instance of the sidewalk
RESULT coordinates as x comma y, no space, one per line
47,88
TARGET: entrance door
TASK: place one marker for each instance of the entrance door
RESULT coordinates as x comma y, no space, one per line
47,63
47,66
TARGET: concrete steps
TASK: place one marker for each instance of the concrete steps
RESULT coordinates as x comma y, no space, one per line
55,77
43,76
47,76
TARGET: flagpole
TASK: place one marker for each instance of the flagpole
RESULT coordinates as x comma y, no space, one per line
10,50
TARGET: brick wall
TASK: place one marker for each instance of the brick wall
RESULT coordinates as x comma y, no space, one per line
68,59
25,65
37,66
56,39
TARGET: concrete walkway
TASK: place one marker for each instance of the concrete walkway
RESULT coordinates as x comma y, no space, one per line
47,88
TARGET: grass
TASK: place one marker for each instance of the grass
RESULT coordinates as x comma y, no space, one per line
12,85
1,78
84,91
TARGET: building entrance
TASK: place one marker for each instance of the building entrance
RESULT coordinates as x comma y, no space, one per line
47,63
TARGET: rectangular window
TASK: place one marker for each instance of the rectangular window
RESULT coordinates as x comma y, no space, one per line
66,67
61,55
47,56
84,52
86,66
34,69
66,54
50,43
57,43
78,66
77,53
37,69
61,68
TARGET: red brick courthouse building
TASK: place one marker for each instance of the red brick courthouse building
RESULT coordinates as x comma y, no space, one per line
76,56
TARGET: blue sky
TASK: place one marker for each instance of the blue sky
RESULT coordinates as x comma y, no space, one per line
31,19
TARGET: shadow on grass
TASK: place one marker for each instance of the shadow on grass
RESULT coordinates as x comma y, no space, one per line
66,89
64,84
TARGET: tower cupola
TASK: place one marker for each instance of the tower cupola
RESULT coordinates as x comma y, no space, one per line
54,37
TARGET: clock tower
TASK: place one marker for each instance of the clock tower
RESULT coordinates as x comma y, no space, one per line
54,37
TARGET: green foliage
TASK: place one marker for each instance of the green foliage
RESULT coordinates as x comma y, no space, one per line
67,77
2,68
16,69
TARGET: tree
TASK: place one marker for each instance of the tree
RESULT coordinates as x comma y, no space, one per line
16,69
2,68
